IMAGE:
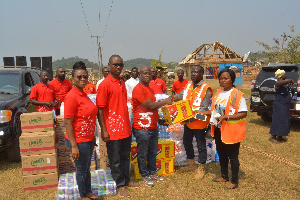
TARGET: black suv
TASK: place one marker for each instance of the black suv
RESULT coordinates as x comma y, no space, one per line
263,91
15,87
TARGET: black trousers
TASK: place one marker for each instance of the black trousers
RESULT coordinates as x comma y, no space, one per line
201,143
118,152
228,152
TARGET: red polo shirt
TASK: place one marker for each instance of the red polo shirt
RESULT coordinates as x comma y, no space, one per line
43,93
158,86
143,117
83,111
112,98
178,86
61,89
90,88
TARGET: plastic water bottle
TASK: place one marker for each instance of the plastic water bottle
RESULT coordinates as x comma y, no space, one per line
217,157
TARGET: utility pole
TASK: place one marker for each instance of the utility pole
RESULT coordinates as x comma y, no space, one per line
99,55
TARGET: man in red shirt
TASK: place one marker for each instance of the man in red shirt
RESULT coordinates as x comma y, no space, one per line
42,95
178,85
62,86
145,126
90,88
157,84
113,118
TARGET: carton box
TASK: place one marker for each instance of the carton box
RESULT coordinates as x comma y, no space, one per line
104,163
163,167
60,139
37,122
63,153
40,181
166,149
60,124
37,143
66,166
178,112
39,164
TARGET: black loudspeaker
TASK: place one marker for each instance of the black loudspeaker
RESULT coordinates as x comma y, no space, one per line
21,61
9,61
35,62
47,66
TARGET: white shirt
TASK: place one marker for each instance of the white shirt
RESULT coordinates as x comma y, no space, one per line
98,83
130,84
221,103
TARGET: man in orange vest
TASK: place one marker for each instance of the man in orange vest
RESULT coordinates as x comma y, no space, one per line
199,94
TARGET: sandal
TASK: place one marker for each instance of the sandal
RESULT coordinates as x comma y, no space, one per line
274,140
230,186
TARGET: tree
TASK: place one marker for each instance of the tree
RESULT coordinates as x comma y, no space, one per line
286,48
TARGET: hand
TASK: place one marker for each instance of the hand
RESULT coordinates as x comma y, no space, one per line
291,82
169,100
221,118
75,153
105,136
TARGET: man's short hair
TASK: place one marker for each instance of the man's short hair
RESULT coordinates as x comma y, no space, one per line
134,68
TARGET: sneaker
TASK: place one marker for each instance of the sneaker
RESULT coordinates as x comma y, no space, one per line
157,178
148,181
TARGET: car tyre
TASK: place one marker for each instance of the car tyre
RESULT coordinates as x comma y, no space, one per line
13,153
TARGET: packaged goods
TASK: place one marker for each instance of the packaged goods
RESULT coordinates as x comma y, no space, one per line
40,181
60,124
101,180
178,112
39,164
37,122
66,166
37,143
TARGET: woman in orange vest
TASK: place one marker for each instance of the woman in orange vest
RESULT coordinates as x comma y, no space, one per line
230,110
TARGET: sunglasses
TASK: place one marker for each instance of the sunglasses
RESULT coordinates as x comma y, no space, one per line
79,77
117,64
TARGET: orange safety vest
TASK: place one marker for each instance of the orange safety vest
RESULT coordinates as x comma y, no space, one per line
196,96
232,131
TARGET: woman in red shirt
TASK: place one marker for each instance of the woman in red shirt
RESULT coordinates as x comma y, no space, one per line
80,119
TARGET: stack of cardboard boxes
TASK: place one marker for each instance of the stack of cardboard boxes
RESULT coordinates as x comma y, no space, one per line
37,147
164,158
101,150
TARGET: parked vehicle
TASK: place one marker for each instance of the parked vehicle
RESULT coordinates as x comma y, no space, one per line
15,87
263,91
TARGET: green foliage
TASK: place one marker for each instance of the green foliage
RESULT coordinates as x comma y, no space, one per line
286,48
257,56
69,62
138,62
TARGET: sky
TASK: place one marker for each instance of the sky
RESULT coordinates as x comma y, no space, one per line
140,28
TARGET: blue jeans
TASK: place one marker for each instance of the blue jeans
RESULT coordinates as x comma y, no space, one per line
147,144
201,143
118,152
83,164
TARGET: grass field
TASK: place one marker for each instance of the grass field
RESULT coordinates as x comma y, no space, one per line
267,171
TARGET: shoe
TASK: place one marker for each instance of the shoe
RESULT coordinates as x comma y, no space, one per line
230,186
190,167
148,181
157,178
220,179
122,191
200,172
274,140
281,139
133,184
93,197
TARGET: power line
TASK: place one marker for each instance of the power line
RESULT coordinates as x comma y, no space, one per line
107,18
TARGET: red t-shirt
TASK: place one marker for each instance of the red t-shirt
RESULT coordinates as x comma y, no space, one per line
178,86
143,117
83,111
43,93
112,98
158,86
90,88
61,89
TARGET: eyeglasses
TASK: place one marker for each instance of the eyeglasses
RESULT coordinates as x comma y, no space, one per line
79,77
117,64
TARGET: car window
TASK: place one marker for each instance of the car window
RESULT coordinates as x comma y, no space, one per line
268,73
9,83
36,77
28,81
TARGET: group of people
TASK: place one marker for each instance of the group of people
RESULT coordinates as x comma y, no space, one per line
111,111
